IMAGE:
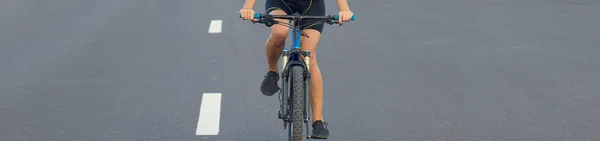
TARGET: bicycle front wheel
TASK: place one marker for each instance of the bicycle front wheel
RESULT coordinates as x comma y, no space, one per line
298,101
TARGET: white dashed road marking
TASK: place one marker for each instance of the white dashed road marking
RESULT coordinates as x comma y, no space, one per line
210,114
215,26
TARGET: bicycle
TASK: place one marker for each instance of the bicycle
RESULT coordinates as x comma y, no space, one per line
300,74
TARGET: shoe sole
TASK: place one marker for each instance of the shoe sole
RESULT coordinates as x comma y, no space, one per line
269,93
318,137
266,94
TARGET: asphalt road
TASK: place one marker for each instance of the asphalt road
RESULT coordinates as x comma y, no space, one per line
404,70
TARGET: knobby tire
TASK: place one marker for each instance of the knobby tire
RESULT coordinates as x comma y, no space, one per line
298,101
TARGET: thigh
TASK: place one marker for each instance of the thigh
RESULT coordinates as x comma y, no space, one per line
312,40
312,29
278,7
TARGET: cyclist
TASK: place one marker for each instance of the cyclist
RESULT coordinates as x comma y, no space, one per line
275,44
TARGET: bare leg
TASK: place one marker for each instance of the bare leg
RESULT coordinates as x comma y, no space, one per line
275,42
316,81
273,47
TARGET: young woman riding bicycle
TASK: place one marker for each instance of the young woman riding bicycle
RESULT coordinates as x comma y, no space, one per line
276,41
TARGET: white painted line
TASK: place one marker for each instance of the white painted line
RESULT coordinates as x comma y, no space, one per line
210,114
215,26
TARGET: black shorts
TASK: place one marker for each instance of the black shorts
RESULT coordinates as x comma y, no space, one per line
304,7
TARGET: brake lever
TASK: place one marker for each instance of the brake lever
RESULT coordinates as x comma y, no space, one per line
331,22
269,21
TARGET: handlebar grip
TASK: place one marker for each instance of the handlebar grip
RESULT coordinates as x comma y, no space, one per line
336,17
256,15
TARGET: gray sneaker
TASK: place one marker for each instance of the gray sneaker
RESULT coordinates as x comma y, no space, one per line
320,130
269,84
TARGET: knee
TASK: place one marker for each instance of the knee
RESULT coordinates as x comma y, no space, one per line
278,36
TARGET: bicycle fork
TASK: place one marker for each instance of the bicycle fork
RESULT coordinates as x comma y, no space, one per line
307,99
284,97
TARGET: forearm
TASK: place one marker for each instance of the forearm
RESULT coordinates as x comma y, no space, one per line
249,4
343,4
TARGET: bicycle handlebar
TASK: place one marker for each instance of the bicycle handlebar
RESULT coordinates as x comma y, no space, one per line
268,19
334,17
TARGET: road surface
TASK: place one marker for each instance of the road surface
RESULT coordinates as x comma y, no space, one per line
404,70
